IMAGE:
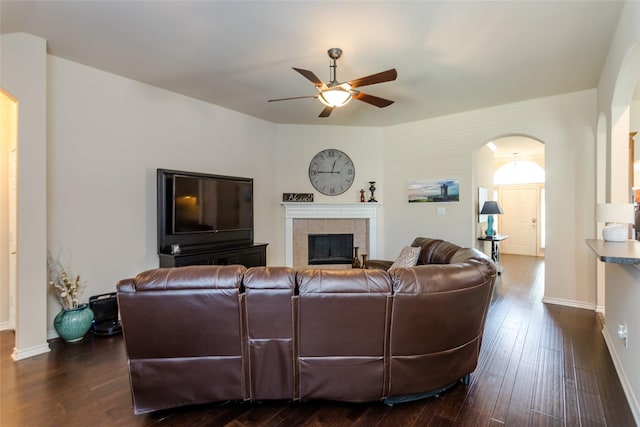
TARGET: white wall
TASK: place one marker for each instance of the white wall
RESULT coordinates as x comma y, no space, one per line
622,297
444,147
23,74
296,147
107,136
617,82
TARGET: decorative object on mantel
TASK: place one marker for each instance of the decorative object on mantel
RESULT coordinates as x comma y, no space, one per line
372,188
361,195
74,320
364,260
297,197
491,208
617,217
356,261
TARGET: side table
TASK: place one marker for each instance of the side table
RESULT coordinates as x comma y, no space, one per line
495,249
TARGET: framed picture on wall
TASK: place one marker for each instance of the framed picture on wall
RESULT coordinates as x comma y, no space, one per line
482,197
434,190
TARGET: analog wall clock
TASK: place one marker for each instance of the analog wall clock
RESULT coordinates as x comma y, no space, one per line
331,172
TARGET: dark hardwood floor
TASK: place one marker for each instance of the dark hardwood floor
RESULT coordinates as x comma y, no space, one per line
540,365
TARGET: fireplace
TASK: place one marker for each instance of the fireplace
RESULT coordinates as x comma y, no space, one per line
302,219
324,249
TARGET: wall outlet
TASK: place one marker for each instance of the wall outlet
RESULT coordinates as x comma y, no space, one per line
623,334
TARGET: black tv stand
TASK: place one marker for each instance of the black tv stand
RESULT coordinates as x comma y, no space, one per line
250,255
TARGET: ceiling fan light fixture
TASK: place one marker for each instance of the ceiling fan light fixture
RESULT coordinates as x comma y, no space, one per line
335,94
335,97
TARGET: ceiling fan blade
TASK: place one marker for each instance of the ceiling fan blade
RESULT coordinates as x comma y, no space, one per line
311,77
292,97
384,76
326,112
373,100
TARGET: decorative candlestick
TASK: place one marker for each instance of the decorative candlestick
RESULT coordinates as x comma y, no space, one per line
356,262
372,188
364,260
361,195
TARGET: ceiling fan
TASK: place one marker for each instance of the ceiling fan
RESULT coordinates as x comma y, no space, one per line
335,94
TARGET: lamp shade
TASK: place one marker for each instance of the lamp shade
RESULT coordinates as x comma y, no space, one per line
615,212
617,216
491,208
335,97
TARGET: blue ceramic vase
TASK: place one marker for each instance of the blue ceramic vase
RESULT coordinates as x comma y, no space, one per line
73,324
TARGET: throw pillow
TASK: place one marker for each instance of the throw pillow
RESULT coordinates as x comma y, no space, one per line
408,257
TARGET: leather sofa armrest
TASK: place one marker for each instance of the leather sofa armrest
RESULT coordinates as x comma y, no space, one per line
377,264
125,285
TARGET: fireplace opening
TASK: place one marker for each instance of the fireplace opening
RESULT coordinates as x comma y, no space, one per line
330,249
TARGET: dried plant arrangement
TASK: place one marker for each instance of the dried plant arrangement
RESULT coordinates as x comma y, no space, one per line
67,287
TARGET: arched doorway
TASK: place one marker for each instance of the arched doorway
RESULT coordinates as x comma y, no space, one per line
519,185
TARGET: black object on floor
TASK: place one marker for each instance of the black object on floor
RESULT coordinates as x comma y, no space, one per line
105,314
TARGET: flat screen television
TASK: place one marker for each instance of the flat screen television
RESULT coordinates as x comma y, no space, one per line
198,211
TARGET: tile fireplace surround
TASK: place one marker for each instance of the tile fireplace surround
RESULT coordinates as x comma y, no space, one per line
301,219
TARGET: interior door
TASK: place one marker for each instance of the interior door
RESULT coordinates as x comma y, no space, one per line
520,204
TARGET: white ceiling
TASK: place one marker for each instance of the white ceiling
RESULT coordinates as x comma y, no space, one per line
511,148
451,56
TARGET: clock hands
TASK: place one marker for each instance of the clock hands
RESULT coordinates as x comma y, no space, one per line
333,166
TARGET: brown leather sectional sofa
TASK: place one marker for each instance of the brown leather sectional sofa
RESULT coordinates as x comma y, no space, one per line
203,334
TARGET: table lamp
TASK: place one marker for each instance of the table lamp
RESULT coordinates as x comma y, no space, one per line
617,217
490,208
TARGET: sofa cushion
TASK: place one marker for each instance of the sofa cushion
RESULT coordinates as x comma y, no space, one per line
343,319
408,257
443,252
428,246
268,295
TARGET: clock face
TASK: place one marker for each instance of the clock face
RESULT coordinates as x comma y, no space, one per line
331,172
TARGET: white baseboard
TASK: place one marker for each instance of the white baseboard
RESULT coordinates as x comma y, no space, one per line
52,334
600,309
626,386
4,326
569,303
19,354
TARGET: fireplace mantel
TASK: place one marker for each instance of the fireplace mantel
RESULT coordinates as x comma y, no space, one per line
329,211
